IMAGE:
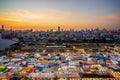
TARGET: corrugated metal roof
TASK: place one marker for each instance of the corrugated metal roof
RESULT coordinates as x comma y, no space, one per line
4,43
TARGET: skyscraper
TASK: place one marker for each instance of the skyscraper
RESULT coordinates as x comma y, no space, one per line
2,26
2,29
58,28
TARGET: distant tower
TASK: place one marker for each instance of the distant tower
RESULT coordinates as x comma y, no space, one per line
59,28
51,30
2,30
2,26
62,30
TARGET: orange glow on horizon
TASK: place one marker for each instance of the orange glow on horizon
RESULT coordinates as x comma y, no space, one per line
50,19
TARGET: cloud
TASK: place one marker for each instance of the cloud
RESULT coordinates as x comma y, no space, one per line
21,14
110,17
10,19
59,12
27,14
40,15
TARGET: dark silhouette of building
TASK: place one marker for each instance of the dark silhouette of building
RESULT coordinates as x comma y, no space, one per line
59,28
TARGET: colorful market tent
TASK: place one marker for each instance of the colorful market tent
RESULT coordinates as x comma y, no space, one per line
3,68
39,68
99,55
108,62
116,70
81,50
56,64
52,56
15,74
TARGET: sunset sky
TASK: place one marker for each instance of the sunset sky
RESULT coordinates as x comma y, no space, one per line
48,14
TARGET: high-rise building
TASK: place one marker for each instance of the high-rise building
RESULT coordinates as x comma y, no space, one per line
2,29
59,28
62,30
51,30
2,26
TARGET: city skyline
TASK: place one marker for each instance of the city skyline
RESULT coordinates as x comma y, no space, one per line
68,14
